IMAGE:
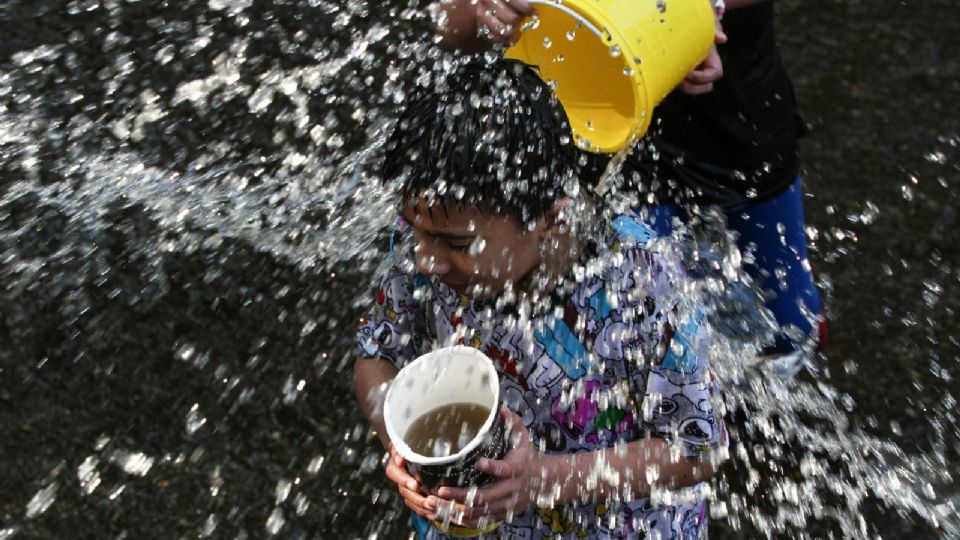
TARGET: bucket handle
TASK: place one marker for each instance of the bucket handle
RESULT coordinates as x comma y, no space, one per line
556,5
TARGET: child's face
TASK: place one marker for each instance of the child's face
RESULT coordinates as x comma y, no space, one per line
466,248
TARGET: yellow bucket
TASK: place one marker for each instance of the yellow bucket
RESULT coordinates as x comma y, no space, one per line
611,62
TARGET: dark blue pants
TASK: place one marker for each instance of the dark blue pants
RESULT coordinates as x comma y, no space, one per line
774,231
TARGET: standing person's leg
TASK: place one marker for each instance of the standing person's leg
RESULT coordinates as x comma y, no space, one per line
773,231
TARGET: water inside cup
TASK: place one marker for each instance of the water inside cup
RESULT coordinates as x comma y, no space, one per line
447,429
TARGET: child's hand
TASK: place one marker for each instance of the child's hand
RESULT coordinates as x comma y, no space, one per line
520,481
497,20
411,491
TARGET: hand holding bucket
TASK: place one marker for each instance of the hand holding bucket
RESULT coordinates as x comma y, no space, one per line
612,61
455,377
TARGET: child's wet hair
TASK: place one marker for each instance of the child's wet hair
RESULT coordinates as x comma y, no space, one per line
491,135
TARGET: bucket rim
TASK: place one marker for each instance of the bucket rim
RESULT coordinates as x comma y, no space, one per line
397,438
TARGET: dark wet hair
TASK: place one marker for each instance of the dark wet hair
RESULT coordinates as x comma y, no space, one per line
491,135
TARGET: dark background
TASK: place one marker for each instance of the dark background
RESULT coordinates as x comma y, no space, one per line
123,334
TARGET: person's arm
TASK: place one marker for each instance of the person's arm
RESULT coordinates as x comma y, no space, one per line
383,343
701,79
640,466
474,25
526,477
371,377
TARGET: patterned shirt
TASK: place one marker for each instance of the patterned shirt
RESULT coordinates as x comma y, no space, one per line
602,367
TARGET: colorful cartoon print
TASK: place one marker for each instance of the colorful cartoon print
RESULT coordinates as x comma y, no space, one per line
581,381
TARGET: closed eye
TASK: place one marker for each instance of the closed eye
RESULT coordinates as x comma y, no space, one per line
459,246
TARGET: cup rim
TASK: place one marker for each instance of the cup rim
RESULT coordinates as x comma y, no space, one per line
397,439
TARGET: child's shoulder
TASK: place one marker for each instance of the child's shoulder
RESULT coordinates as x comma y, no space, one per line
632,260
631,241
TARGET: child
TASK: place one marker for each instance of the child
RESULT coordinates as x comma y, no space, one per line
607,392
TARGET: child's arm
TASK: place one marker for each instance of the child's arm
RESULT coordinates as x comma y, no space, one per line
384,343
371,377
626,472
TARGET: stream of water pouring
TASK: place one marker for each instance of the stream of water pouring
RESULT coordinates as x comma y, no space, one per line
223,127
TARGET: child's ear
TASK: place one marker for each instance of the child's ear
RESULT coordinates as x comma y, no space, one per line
557,219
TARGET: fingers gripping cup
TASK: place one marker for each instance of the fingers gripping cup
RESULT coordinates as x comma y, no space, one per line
442,413
612,61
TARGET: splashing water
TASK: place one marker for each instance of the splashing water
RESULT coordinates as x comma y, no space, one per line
185,194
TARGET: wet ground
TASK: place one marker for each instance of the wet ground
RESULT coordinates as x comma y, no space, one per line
159,382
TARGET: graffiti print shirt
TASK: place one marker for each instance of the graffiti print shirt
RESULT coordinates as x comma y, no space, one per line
602,366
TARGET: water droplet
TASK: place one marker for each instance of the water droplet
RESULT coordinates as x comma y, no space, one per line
846,400
314,466
652,473
572,35
88,475
614,51
531,24
42,500
194,420
275,522
584,143
292,389
870,213
135,463
102,442
210,525
477,246
300,504
261,98
185,352
335,141
547,43
282,490
165,54
116,492
233,6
